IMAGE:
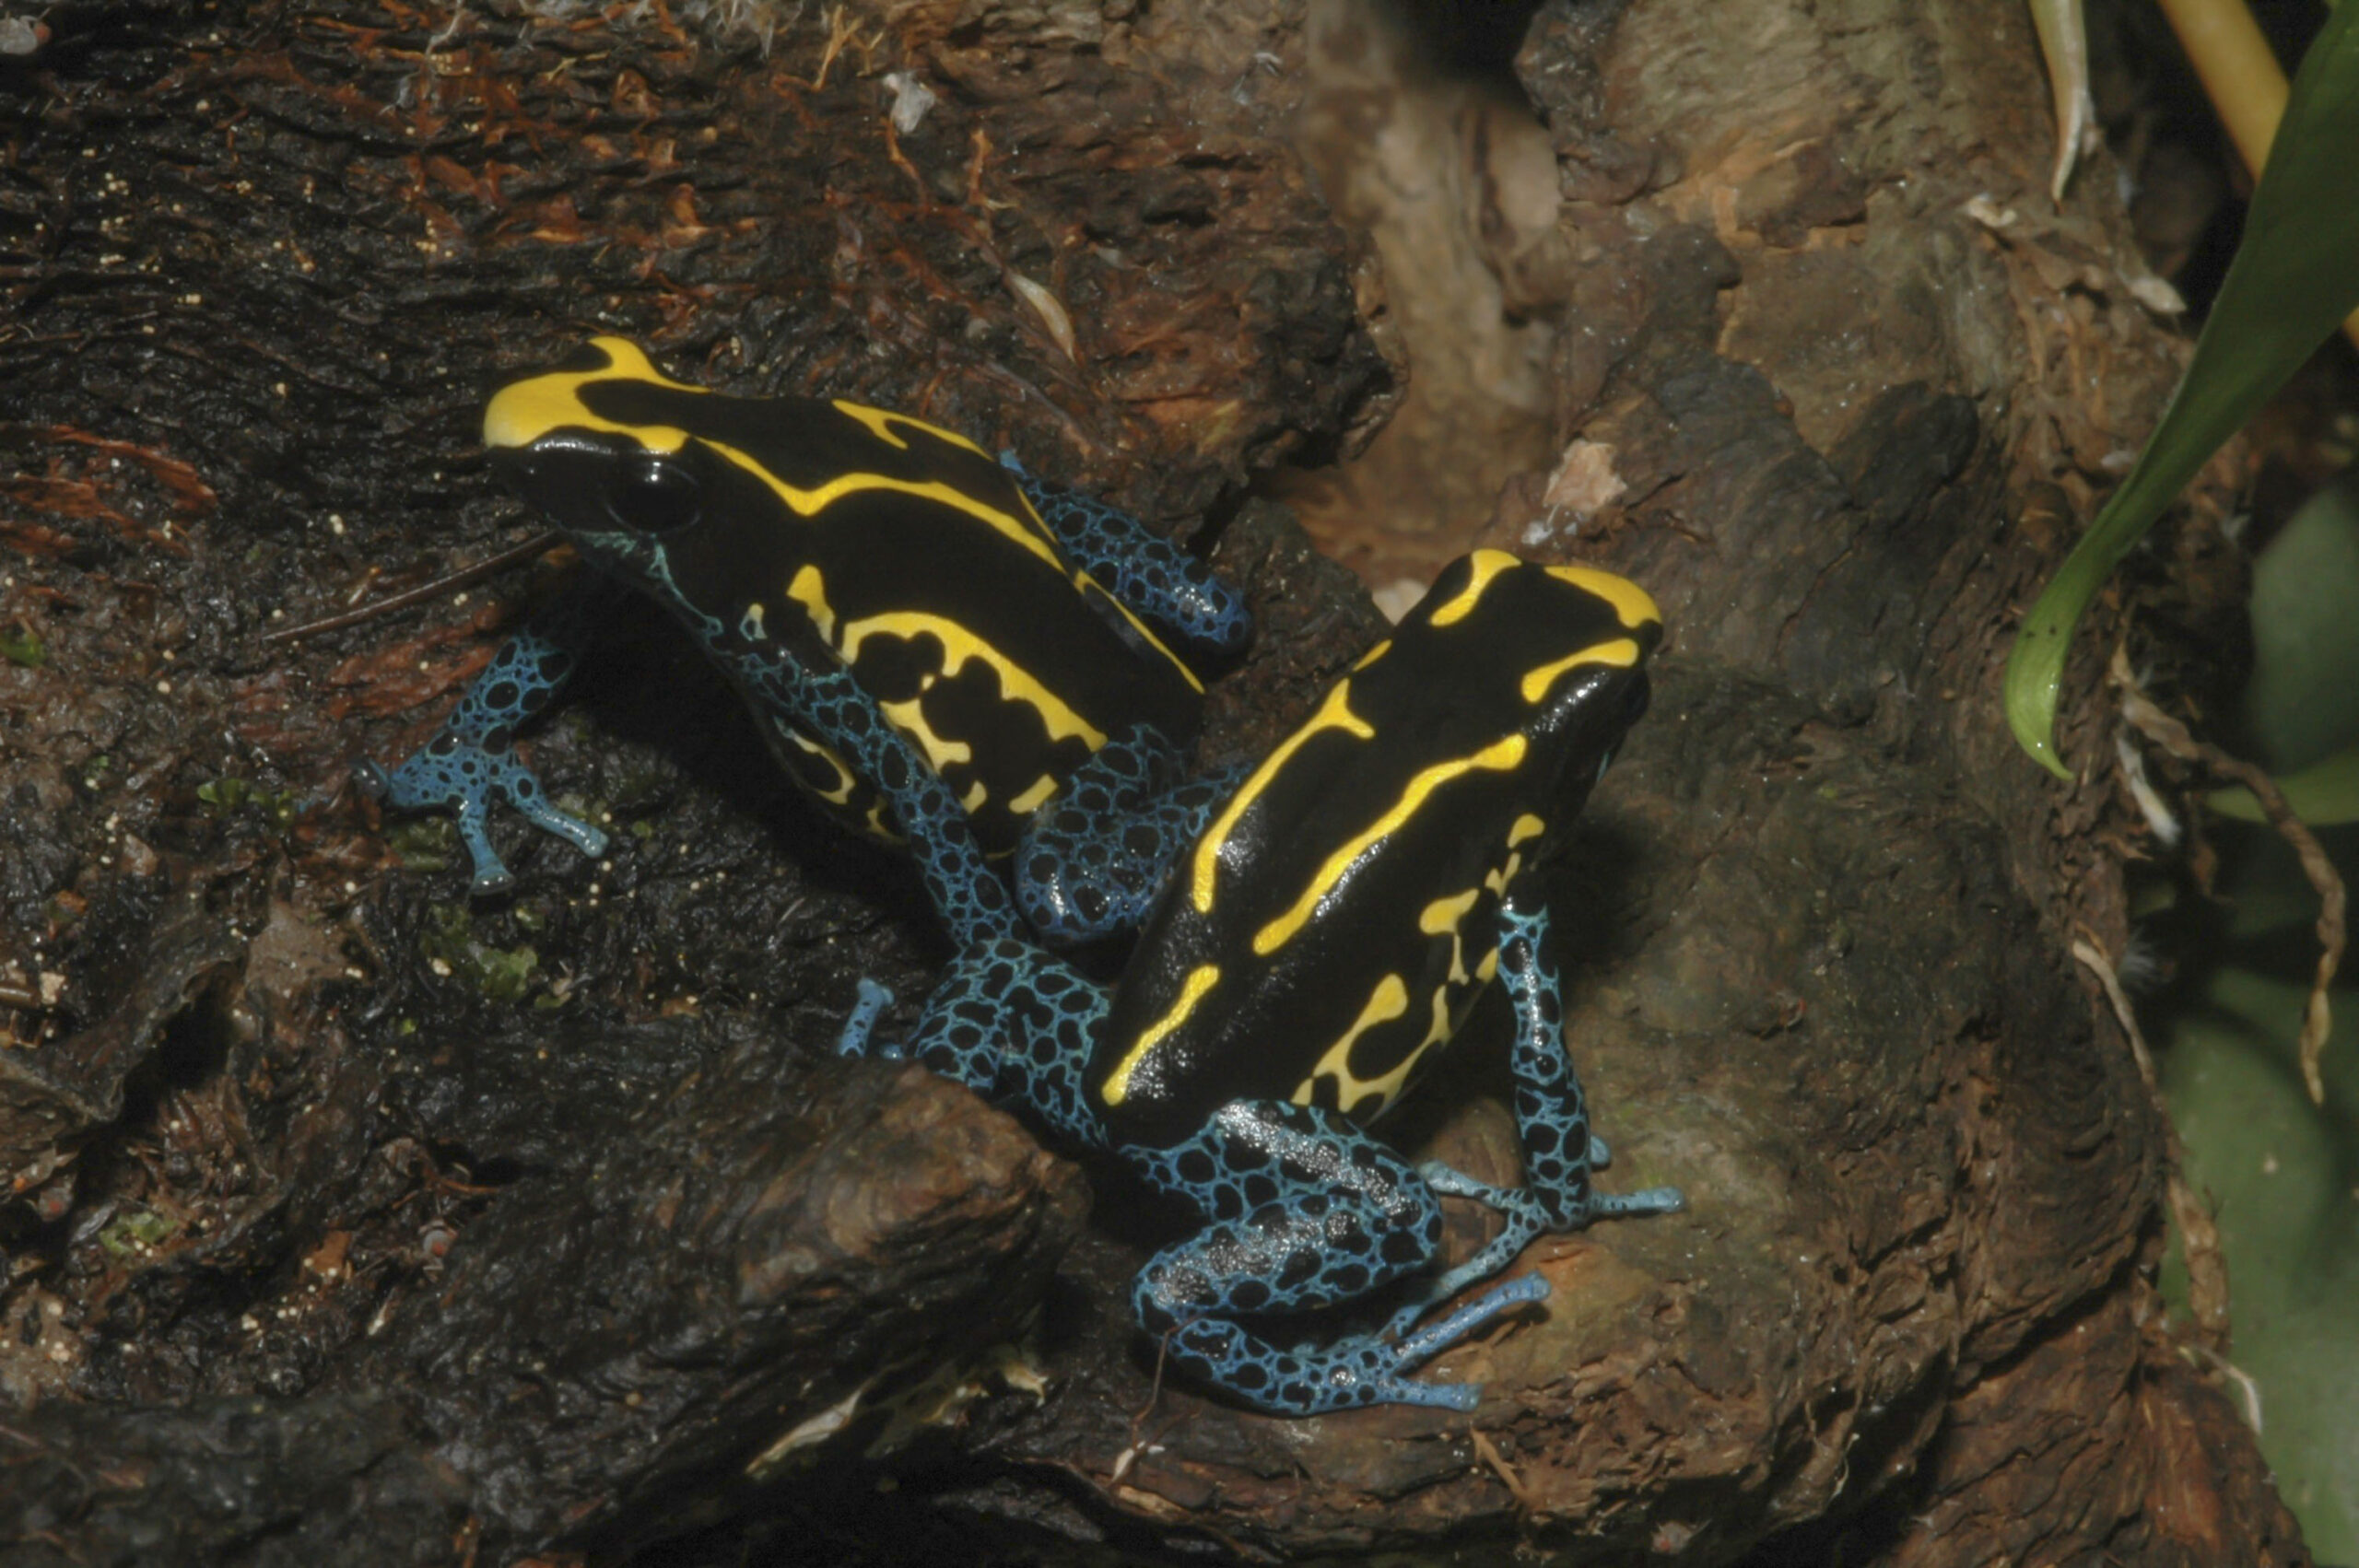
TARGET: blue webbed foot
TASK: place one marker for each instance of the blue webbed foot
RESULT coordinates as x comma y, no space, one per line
463,779
472,758
1530,1214
1351,1373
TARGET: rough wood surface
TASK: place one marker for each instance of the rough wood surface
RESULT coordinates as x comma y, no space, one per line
343,1211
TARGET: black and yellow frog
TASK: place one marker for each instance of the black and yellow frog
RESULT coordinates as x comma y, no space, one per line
1324,935
925,634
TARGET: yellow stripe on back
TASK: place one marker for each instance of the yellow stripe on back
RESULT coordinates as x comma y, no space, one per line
1088,585
880,423
1335,713
810,503
1497,757
959,645
1192,990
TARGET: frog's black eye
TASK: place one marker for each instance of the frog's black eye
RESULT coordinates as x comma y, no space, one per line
655,495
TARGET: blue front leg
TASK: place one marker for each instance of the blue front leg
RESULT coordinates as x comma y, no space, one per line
1307,1211
1092,860
1552,1123
472,758
1145,570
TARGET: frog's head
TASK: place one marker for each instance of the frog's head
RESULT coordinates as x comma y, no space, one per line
601,443
1555,653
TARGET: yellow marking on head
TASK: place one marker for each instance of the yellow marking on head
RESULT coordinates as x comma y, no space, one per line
1487,564
1372,655
1033,799
1526,827
810,590
880,423
1622,652
1335,713
522,412
959,646
1488,968
939,754
876,824
1443,914
1497,757
972,800
1191,991
1633,606
1498,881
1387,1002
757,615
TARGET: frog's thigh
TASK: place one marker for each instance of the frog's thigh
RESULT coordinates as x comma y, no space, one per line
1142,569
1306,1210
1094,859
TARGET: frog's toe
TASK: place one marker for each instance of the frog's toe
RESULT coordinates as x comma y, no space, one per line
1430,1339
537,810
853,1041
492,874
1647,1200
1438,1395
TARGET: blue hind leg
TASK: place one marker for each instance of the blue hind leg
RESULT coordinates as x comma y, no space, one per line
472,758
1552,1122
1092,860
1145,570
1307,1211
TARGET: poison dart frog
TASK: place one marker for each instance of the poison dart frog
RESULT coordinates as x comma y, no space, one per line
933,643
1330,930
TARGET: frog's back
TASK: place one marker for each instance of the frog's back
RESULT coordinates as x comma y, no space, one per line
838,532
1339,917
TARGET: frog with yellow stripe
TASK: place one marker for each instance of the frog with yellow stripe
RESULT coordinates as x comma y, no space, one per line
1329,929
934,644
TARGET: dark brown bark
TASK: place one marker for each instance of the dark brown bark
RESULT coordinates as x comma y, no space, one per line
345,1212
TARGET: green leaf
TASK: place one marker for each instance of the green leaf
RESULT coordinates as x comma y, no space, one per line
2294,278
2323,794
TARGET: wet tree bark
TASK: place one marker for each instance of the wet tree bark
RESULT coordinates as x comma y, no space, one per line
350,1220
